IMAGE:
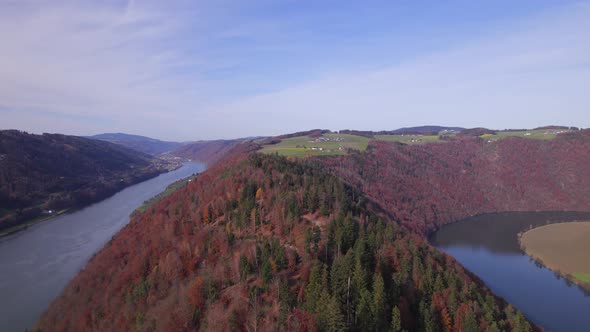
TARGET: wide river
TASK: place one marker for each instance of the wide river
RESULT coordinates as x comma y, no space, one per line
487,245
37,263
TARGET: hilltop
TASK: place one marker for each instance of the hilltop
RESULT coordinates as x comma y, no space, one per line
143,144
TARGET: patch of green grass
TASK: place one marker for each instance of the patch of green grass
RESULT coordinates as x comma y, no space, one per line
325,145
543,134
409,139
169,190
585,277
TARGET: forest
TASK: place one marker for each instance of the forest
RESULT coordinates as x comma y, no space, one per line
426,186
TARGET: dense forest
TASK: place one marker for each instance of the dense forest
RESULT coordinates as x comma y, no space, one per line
39,173
258,242
206,152
428,185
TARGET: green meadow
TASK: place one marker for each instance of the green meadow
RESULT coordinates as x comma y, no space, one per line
339,144
585,277
409,139
544,134
325,145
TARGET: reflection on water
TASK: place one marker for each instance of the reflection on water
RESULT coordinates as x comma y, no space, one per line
487,245
497,232
37,263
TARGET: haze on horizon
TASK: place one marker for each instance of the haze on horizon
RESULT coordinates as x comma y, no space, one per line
181,70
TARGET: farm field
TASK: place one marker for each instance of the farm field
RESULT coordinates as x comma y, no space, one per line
409,139
561,247
337,144
544,134
325,145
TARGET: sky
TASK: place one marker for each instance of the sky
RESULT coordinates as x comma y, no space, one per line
189,70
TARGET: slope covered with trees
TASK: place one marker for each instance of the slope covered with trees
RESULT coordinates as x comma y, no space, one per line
207,152
54,172
428,185
259,242
143,144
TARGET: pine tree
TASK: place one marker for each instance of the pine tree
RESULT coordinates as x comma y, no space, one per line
359,281
470,323
396,320
363,311
379,302
330,317
317,284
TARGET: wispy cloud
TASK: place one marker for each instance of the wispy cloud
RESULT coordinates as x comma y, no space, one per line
530,73
227,69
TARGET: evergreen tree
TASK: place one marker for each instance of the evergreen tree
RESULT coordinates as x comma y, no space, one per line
470,323
317,284
363,311
359,281
396,320
329,316
379,302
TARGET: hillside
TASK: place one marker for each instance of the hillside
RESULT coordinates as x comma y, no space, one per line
258,242
207,152
420,130
39,173
143,144
428,185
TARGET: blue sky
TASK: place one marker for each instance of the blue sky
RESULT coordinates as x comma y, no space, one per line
187,70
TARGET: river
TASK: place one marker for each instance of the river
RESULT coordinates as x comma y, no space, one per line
487,245
37,263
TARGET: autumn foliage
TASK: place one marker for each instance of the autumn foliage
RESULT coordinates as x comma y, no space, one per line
258,242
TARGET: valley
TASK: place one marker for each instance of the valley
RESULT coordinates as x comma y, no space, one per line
45,175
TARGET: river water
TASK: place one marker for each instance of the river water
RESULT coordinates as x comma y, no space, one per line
487,245
37,263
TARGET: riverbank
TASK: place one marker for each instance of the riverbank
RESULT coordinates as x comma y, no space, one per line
37,263
169,190
561,248
167,167
27,224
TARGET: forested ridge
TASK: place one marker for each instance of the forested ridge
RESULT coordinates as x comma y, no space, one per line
426,186
53,172
258,242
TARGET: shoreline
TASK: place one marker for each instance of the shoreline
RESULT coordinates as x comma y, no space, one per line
41,218
568,276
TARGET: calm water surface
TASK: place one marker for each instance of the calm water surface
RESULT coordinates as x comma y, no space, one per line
487,245
36,264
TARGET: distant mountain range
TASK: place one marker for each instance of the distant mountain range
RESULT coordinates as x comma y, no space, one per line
43,174
207,152
143,144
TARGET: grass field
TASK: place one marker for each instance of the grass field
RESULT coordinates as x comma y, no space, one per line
544,134
408,139
561,247
585,277
338,144
169,190
326,145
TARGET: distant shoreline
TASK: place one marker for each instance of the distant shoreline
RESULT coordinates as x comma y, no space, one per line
38,219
